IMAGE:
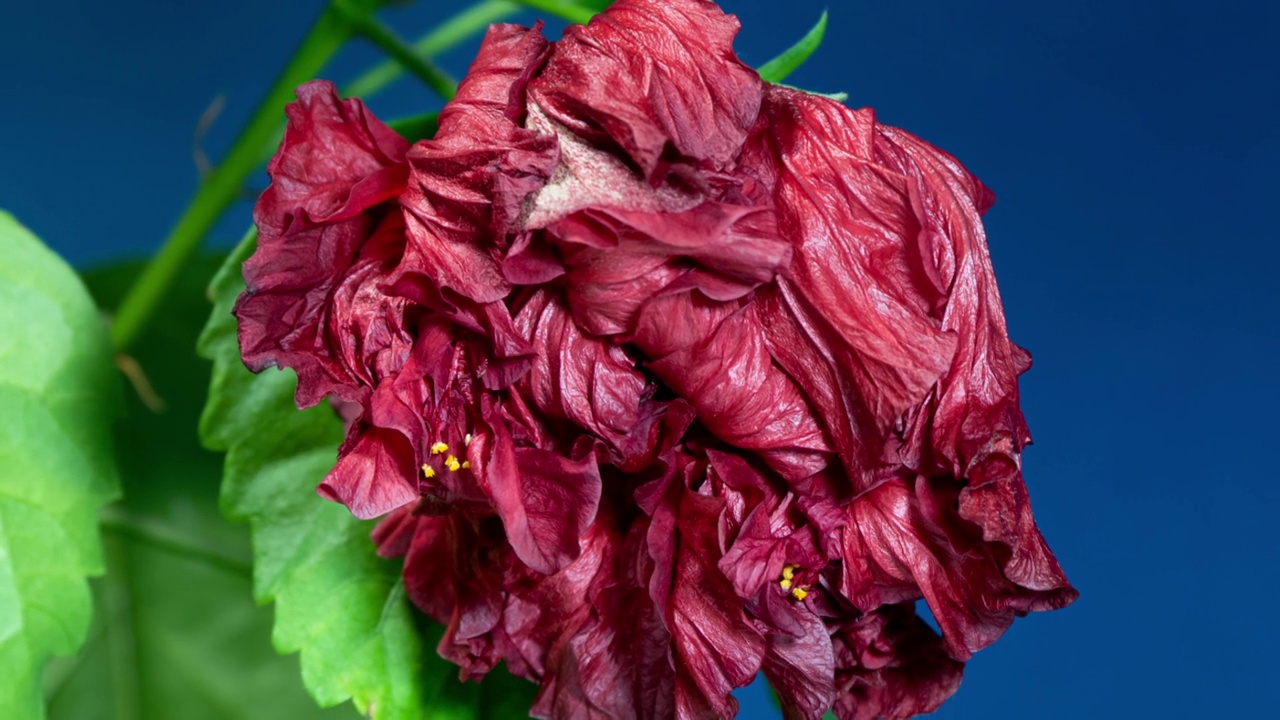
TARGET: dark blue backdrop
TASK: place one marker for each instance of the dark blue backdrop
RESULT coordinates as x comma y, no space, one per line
1133,147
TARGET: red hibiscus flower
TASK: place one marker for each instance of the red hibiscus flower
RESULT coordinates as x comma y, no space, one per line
666,376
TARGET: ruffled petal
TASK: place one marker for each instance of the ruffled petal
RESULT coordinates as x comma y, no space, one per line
717,649
468,182
617,662
658,80
894,552
371,475
546,501
851,316
890,665
329,232
801,669
974,411
715,357
583,379
336,161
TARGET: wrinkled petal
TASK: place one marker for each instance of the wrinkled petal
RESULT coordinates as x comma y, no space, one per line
894,554
467,183
851,297
890,665
327,235
715,356
581,378
545,500
453,572
370,477
616,258
977,399
336,161
801,669
717,649
546,609
996,501
653,77
617,663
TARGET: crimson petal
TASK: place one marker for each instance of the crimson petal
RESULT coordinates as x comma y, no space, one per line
710,354
581,378
652,77
851,296
895,553
467,183
327,231
890,665
546,501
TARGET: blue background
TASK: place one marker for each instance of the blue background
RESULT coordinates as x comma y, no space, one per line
1133,148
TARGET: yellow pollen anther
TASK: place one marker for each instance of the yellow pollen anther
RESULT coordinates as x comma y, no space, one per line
799,593
788,572
466,440
786,584
439,448
452,463
428,471
466,464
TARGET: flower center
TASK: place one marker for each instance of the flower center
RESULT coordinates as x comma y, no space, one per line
788,583
436,465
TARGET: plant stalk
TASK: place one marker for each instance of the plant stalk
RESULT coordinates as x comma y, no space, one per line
367,25
158,536
563,9
222,186
443,37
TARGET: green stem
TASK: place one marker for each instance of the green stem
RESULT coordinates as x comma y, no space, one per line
120,624
379,34
452,32
170,540
570,11
262,135
222,187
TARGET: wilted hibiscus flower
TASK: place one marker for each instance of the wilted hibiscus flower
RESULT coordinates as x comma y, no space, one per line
662,375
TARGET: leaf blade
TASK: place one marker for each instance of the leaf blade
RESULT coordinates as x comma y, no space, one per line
57,467
777,69
175,624
337,602
364,640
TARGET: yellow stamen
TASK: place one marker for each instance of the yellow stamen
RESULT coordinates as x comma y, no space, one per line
788,582
466,464
452,463
428,471
439,448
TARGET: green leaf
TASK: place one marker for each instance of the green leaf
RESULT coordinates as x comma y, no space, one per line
777,69
60,395
337,602
176,631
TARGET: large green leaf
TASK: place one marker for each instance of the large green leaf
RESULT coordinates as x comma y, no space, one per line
59,396
177,633
337,602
